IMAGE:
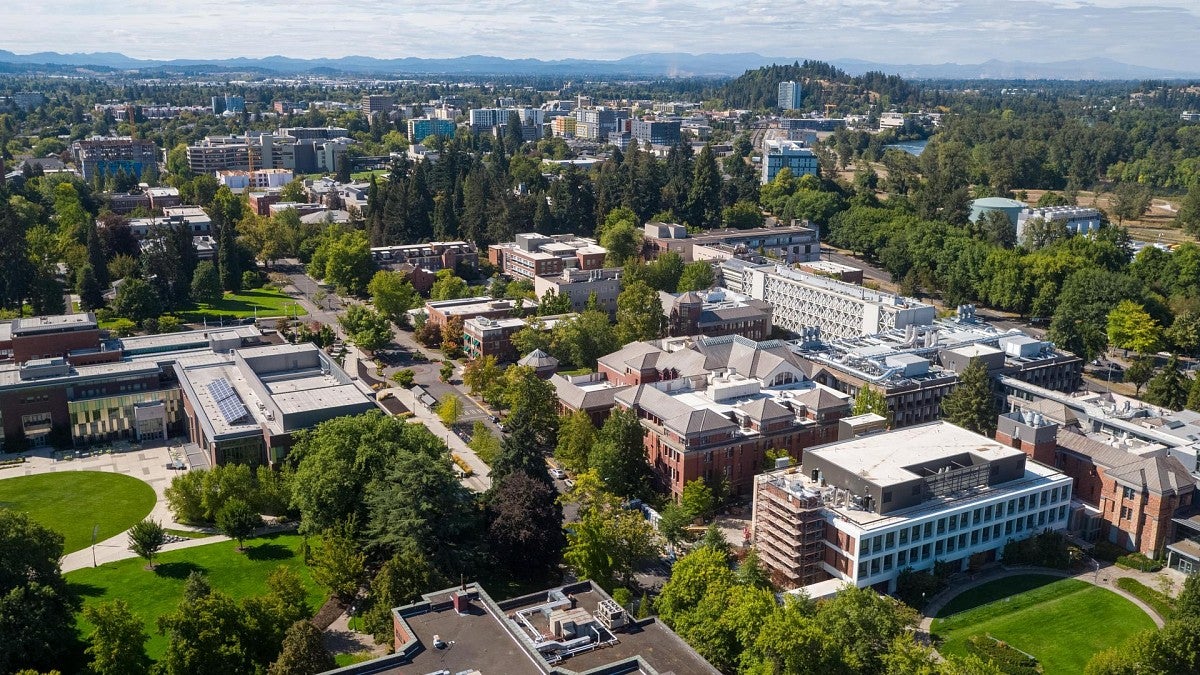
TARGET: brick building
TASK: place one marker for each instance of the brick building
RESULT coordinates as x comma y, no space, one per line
715,312
1124,497
438,312
712,408
533,255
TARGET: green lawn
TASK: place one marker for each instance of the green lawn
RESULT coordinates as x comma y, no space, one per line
151,594
72,502
1061,622
268,302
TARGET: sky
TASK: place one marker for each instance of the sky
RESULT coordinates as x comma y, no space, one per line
1155,33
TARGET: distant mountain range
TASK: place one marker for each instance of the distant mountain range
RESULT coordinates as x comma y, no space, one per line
639,65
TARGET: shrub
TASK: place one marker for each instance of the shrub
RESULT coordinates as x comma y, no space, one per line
1157,600
1048,549
1140,562
1009,660
251,279
916,588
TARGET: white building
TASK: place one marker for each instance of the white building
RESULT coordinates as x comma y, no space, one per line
790,94
780,154
1077,219
863,509
262,178
836,309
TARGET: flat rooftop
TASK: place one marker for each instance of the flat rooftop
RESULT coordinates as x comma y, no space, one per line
59,323
882,458
486,639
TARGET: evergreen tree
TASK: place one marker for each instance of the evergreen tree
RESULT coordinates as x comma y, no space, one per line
1169,388
972,405
96,256
704,197
91,294
1193,399
230,258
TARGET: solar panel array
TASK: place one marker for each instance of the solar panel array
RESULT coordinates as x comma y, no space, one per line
227,401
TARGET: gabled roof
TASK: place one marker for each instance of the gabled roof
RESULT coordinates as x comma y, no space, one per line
820,398
579,398
1159,473
765,410
633,356
699,422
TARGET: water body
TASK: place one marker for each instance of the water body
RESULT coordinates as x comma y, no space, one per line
911,147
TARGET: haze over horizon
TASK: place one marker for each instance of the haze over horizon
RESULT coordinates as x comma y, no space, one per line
1154,33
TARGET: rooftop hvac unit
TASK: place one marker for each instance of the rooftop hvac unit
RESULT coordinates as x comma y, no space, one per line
611,615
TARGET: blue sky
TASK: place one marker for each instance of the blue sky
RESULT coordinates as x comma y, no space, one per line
1158,33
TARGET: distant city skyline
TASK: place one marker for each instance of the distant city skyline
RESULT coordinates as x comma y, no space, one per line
1152,33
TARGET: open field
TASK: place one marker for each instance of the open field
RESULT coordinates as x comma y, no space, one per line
151,594
267,301
72,502
1061,622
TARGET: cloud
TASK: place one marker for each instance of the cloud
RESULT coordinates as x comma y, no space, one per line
1157,33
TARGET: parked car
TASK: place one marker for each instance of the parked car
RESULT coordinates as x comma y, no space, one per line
558,473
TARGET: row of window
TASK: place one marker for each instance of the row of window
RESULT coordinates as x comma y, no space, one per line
964,520
943,547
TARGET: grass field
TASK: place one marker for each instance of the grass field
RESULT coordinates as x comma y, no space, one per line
1061,622
268,302
72,502
151,594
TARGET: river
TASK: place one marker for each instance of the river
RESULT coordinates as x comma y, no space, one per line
911,147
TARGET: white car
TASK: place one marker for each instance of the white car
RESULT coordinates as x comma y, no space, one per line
558,473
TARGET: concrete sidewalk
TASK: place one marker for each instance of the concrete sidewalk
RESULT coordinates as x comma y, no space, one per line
117,548
1104,578
480,480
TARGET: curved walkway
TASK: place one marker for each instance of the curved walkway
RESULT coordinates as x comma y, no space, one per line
1103,578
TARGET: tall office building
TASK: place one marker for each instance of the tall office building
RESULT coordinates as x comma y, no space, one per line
789,95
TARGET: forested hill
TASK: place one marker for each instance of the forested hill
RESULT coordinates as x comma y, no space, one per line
822,83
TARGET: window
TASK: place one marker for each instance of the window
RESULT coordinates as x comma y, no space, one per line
941,523
928,530
1045,498
987,513
1020,504
866,547
902,558
890,540
1126,512
904,536
1127,493
887,496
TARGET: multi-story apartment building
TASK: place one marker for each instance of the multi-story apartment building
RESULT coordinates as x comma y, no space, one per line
595,124
790,95
194,217
423,127
782,154
486,119
563,126
439,312
493,337
309,151
257,179
581,285
228,103
377,104
713,407
103,156
715,312
1126,494
862,510
433,256
787,243
839,310
655,132
533,255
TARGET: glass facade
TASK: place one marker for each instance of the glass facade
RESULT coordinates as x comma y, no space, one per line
112,417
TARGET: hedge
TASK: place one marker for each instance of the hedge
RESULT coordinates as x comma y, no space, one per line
1009,660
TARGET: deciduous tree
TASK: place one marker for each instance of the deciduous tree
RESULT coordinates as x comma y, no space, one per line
118,640
303,652
146,538
238,520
